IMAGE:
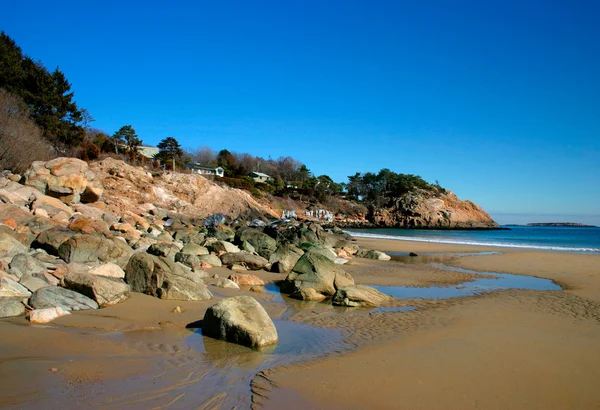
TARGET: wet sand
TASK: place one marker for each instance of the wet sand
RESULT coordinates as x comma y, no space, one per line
507,349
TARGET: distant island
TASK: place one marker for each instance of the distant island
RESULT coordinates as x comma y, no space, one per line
570,224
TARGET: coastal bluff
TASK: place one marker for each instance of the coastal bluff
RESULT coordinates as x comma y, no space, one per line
422,209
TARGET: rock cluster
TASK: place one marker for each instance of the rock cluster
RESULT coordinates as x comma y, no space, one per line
75,237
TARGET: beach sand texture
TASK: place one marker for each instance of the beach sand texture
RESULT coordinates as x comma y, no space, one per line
518,349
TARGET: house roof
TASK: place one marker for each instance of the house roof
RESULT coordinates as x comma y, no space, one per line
260,174
148,152
196,166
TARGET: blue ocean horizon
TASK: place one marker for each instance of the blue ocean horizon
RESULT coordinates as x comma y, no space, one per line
557,239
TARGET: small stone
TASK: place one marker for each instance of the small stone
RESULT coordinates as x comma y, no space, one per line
177,309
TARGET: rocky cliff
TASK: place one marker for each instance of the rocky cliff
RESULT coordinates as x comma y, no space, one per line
425,209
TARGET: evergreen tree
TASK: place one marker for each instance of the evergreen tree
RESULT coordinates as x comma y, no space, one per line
126,136
48,95
169,150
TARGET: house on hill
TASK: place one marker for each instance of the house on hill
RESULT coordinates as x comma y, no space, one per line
260,177
199,169
147,152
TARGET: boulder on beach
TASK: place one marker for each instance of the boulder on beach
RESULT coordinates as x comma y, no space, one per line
51,239
359,295
370,254
226,283
11,306
11,288
104,291
83,248
23,264
261,242
318,272
47,315
285,257
252,262
53,296
9,246
308,294
246,280
163,278
240,320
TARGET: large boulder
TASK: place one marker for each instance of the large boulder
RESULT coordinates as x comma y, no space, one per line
318,272
108,270
262,243
23,264
83,248
250,261
192,248
53,296
9,246
222,246
11,306
240,320
63,178
104,291
52,206
359,295
212,260
33,283
285,258
191,261
90,226
163,278
11,288
164,249
51,239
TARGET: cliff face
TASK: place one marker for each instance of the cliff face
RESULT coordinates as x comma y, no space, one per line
117,188
424,209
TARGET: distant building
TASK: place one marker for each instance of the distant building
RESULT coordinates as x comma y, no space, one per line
260,177
199,169
147,152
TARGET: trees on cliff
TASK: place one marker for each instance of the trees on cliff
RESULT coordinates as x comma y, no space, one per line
47,94
169,151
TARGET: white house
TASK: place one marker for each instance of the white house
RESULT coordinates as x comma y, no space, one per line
260,177
147,152
199,169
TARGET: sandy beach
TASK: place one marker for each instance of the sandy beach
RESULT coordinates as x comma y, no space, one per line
506,349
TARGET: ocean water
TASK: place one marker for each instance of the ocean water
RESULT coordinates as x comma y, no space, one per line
561,239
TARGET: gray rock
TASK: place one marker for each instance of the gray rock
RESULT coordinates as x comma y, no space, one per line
10,307
191,261
32,283
359,295
51,239
223,246
247,246
165,249
11,288
285,258
226,283
367,254
53,296
263,243
240,320
22,264
318,272
9,246
83,248
327,252
252,262
194,249
104,291
211,259
164,279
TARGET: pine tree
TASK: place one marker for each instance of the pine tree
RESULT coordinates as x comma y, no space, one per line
169,151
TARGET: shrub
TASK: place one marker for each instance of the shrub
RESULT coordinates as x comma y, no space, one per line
21,140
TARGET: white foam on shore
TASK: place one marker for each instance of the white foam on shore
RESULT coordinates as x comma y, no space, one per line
473,243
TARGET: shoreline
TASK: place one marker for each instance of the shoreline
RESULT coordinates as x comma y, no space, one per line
88,348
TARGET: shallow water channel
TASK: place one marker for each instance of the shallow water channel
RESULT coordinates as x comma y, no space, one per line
194,371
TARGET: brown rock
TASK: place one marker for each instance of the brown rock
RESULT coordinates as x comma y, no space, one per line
246,280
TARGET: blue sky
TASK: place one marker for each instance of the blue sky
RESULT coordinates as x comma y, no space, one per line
499,101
